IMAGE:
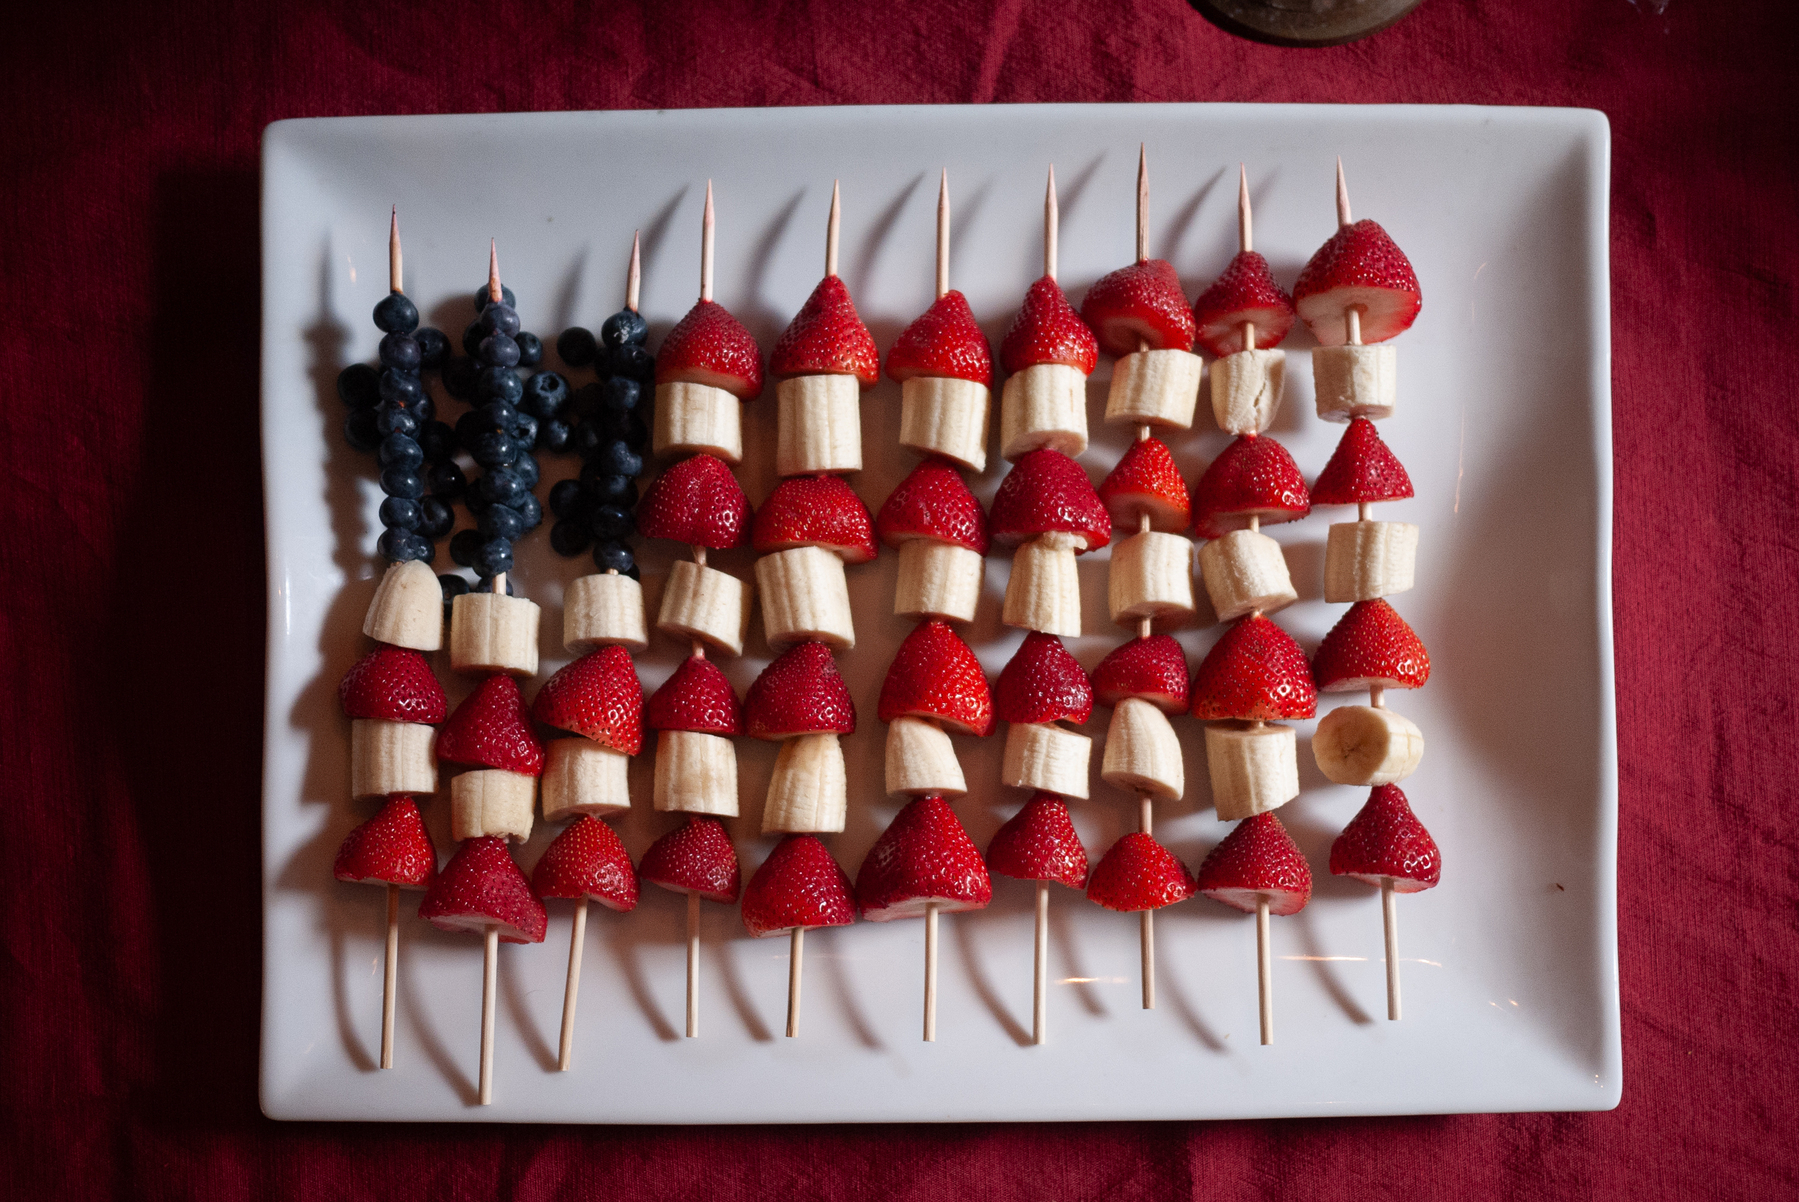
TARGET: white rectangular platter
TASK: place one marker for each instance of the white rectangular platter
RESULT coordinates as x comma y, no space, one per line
1510,965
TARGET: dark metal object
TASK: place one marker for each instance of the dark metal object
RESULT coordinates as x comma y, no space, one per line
1303,22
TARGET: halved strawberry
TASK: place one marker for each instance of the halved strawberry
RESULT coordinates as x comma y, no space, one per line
1153,669
933,502
1043,683
946,341
815,511
1045,491
1361,469
1142,303
492,729
799,885
1247,291
480,888
598,696
392,848
587,860
1358,265
1254,673
1254,477
696,697
1137,873
935,675
800,693
697,501
1259,859
1147,481
1385,841
696,857
924,856
393,684
1039,843
827,338
711,347
1048,330
1370,645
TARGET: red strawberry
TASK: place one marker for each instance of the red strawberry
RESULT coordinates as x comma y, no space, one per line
1359,265
1370,645
1138,873
711,347
481,887
1154,669
1385,840
1039,844
694,858
815,511
696,697
1255,673
1137,304
1361,469
827,338
492,729
1245,292
1044,491
1254,477
933,502
587,860
935,675
598,696
1043,683
1048,330
799,885
924,856
800,693
392,848
697,501
1146,481
1259,859
393,684
946,341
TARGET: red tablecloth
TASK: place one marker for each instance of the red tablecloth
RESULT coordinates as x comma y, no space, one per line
131,531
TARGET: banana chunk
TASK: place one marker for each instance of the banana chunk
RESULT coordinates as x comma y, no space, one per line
1154,388
1048,757
809,791
695,774
581,777
1254,767
1356,381
1365,560
1043,406
938,580
1367,745
948,417
805,596
1151,577
818,425
1245,572
1143,754
408,608
697,419
1044,590
492,801
491,632
921,760
392,757
1246,390
705,604
602,610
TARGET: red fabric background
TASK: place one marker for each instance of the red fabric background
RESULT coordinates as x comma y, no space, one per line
130,529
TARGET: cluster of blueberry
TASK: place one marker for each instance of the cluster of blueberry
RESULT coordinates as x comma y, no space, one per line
610,434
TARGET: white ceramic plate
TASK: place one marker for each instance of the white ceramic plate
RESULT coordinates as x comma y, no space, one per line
1510,966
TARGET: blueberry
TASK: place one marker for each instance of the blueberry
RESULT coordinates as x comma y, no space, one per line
632,361
497,415
587,439
402,482
611,522
620,394
400,545
545,395
608,488
624,328
499,350
576,346
494,449
502,486
615,458
475,503
459,378
530,510
400,387
394,314
447,481
485,585
359,386
528,471
399,513
585,401
564,494
568,538
399,450
499,384
554,435
494,557
399,350
434,347
500,319
471,339
614,557
523,430
392,419
530,349
463,546
506,297
423,410
453,587
360,432
435,518
438,441
501,522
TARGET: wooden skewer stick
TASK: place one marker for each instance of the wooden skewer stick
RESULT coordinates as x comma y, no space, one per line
1051,220
1142,203
1146,919
943,234
1040,976
699,557
1389,914
1352,316
796,958
1264,971
494,291
634,276
571,991
490,980
393,253
693,966
1246,241
390,976
930,972
832,225
706,247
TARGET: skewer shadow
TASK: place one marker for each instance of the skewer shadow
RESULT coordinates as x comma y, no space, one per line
878,232
762,318
1326,972
977,976
340,1001
1061,933
430,1041
624,954
963,216
563,315
546,1056
1182,222
1172,988
725,954
846,996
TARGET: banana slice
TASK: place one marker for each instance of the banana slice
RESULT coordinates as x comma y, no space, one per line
491,632
697,419
492,801
581,777
1254,767
1245,572
408,608
1044,589
921,760
1356,381
818,425
602,610
1246,390
805,596
809,792
392,757
695,774
1365,560
1048,757
1154,388
1367,745
1043,406
938,580
705,604
1143,754
1151,577
948,417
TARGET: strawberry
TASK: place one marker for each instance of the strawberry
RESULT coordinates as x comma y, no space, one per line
711,347
923,856
492,729
587,860
694,858
1039,844
1385,840
597,696
1154,669
1361,266
935,675
815,511
696,697
1137,873
1361,469
800,693
933,502
697,501
392,848
1245,292
1254,477
945,342
1259,859
827,338
1044,491
1370,645
799,885
1048,330
1255,673
1142,303
393,684
1043,683
481,887
1146,481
